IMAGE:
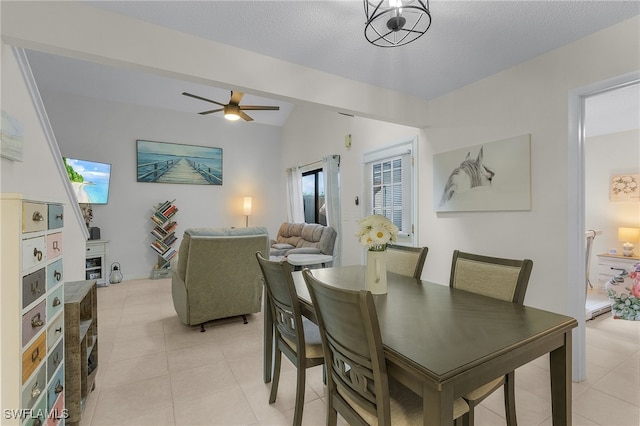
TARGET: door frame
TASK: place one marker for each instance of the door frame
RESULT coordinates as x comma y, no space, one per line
576,270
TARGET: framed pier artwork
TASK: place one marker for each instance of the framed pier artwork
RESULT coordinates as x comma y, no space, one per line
163,162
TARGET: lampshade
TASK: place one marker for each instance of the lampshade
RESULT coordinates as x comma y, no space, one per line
629,235
392,23
247,206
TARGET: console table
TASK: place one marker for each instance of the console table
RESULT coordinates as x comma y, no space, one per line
96,262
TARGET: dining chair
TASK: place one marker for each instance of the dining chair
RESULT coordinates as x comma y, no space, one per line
407,261
295,336
358,386
504,279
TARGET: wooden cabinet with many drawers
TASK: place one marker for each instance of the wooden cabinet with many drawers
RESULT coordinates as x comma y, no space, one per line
32,312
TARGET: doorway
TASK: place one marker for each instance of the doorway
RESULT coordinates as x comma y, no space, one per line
611,154
577,275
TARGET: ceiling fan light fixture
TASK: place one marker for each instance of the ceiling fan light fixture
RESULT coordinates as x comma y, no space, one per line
392,23
232,112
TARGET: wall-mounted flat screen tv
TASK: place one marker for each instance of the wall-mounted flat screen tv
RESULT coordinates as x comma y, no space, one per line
90,180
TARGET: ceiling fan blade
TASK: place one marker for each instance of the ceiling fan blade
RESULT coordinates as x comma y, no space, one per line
211,111
245,116
202,99
259,108
236,97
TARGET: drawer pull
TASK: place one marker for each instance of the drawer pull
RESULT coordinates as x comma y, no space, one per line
35,390
35,287
37,216
35,355
58,387
56,359
37,254
56,301
56,246
57,275
59,330
37,422
36,321
59,216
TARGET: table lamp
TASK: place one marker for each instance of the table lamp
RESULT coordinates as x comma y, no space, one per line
247,209
628,236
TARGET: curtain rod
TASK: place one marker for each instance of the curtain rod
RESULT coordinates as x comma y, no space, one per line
320,161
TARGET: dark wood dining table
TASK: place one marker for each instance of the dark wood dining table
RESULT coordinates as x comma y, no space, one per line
443,342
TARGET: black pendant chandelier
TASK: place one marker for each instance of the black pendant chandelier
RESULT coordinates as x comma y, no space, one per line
392,23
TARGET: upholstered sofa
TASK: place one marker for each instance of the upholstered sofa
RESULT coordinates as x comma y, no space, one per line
216,274
303,238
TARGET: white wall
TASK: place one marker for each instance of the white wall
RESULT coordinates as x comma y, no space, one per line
104,131
531,98
37,177
313,132
606,155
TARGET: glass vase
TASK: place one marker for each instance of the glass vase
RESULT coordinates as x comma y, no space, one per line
376,273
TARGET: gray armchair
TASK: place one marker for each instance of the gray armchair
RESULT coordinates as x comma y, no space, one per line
216,274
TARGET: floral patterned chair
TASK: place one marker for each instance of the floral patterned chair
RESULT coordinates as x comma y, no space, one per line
624,292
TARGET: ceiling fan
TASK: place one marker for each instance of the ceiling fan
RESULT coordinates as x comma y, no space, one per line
233,110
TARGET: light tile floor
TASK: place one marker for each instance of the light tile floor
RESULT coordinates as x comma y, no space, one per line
155,371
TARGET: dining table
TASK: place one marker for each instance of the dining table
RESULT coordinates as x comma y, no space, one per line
443,342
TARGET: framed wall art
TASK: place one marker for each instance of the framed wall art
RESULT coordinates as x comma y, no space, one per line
624,187
11,137
163,162
489,176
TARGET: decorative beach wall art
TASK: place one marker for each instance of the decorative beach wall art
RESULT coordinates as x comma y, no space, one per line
164,162
487,177
624,187
11,137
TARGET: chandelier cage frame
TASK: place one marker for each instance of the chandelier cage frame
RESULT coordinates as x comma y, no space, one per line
393,26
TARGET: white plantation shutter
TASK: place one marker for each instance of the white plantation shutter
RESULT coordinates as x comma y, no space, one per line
388,185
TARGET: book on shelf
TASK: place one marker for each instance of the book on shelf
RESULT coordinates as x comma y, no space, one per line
170,211
169,254
169,239
159,220
159,246
170,226
158,233
162,207
155,248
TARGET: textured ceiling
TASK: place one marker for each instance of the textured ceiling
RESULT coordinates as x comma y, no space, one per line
468,41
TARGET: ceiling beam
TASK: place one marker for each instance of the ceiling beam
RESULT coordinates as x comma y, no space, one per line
78,31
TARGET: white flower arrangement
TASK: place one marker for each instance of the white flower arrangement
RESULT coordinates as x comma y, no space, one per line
376,231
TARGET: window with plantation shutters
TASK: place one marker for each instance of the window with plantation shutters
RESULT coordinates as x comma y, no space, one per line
389,186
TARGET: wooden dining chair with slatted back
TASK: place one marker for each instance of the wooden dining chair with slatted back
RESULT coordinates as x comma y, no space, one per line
358,387
407,261
504,279
295,336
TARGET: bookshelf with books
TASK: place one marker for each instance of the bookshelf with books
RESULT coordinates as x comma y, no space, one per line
164,233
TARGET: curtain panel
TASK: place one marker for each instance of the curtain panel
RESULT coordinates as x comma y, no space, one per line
331,173
295,204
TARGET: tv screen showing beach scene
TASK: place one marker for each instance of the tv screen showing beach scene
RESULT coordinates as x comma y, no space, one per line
90,180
